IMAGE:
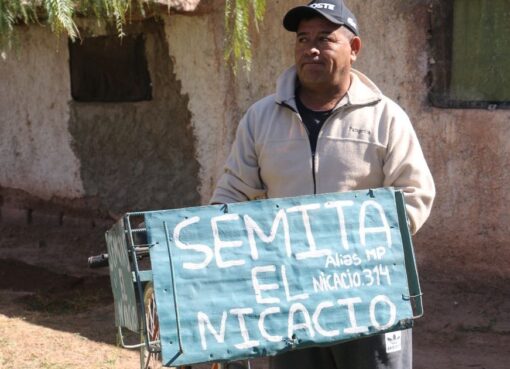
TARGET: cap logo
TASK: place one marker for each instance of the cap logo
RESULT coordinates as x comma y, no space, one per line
352,22
323,6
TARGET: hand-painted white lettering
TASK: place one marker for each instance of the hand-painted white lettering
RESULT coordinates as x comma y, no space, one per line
363,229
323,284
252,227
336,260
339,205
220,244
302,296
313,252
203,322
259,287
306,321
375,254
247,343
262,326
370,212
354,328
315,319
382,299
204,249
298,318
373,277
332,261
377,276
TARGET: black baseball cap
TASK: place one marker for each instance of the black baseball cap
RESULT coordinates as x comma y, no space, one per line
334,11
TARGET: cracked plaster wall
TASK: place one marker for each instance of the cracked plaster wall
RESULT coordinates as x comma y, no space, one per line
217,99
35,144
468,150
140,155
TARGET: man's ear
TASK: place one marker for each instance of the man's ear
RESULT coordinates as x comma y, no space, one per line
355,48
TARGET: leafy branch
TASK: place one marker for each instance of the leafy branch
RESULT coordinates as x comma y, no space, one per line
60,15
238,14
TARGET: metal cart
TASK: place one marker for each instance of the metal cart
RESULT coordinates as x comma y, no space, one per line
146,255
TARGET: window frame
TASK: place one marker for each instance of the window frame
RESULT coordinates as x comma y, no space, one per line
440,62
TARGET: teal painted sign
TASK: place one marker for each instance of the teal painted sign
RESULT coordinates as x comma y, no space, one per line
262,277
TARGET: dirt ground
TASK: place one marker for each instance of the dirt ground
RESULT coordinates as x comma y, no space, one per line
57,314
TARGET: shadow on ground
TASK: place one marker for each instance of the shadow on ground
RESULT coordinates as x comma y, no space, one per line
466,322
82,305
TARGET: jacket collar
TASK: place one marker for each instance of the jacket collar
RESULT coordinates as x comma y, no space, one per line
361,92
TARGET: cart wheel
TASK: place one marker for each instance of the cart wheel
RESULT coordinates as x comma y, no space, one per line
150,360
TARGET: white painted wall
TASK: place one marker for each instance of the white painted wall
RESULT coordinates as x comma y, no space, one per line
217,98
467,150
35,145
195,45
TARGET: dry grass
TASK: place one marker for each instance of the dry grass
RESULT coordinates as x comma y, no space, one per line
29,342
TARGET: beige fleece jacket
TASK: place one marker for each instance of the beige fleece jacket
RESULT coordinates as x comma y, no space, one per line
367,142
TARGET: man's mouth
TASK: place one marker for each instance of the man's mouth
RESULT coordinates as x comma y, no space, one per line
311,63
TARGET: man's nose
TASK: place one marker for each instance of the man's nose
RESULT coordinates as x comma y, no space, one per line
312,50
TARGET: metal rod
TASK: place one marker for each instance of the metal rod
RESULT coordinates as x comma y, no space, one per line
121,337
178,324
138,283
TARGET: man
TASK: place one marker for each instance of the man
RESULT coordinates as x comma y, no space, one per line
328,128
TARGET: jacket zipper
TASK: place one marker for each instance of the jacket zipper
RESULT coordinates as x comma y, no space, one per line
313,172
313,154
314,179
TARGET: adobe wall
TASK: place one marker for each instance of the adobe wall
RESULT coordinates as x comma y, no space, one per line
35,144
467,149
53,148
217,98
117,157
139,156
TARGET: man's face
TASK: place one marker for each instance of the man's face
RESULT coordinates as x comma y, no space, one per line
323,53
